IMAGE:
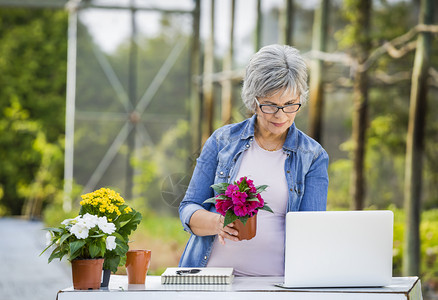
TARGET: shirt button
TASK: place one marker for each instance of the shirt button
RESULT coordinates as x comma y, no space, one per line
247,146
291,190
288,171
205,257
222,173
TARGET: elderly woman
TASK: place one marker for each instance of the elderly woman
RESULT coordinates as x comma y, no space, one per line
268,149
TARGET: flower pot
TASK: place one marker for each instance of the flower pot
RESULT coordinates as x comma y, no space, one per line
106,273
87,273
247,231
137,265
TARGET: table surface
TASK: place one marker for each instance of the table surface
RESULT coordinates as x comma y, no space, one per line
247,284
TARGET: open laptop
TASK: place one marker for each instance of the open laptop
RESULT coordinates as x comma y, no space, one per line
338,249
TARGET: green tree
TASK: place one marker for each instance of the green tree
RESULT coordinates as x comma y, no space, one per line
32,100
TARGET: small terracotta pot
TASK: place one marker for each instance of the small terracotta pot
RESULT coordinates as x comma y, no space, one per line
87,273
137,265
247,231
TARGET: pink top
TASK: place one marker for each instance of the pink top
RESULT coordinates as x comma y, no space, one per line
264,254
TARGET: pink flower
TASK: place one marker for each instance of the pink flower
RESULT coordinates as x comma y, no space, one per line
223,205
246,208
261,202
231,189
235,195
250,182
239,197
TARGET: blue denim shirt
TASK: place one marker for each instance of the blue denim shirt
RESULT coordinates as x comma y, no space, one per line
305,169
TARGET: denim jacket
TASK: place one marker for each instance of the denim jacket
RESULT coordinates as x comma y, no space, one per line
305,169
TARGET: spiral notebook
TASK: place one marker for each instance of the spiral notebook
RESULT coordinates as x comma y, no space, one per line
197,276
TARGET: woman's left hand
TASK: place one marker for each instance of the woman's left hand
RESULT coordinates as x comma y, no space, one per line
227,232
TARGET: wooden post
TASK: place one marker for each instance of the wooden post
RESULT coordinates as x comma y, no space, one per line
415,145
362,9
287,31
316,97
207,121
259,23
133,99
227,85
195,86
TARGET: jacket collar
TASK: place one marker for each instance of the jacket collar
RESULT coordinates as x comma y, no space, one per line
290,144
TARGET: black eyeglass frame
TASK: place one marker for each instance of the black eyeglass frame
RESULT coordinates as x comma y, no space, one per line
278,107
189,271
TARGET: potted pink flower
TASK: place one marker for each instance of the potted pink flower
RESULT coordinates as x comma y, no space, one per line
239,203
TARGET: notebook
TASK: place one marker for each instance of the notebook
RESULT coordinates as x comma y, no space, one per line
338,249
197,276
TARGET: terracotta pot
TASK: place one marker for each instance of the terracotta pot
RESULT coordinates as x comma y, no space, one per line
137,265
247,231
87,273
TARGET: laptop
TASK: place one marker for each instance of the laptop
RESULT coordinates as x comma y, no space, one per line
338,249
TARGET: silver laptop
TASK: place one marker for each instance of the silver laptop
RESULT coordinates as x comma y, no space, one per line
338,249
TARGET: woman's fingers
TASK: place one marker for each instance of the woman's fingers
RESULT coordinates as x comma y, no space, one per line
227,232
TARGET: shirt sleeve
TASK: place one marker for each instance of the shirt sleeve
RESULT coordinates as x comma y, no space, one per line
199,188
316,185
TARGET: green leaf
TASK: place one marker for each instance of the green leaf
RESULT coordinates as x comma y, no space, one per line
64,237
51,244
111,263
261,188
94,250
267,208
55,229
210,200
82,211
243,219
74,255
220,187
121,249
230,217
56,254
118,236
123,218
131,225
103,248
76,245
97,235
253,199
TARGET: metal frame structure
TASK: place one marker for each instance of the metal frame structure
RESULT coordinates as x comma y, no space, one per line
200,126
132,108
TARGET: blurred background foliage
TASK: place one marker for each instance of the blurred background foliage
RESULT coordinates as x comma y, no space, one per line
33,56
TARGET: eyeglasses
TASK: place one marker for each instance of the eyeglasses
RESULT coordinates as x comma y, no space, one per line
273,109
190,271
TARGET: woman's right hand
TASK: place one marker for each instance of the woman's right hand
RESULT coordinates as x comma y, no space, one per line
205,222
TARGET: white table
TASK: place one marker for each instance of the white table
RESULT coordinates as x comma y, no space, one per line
242,288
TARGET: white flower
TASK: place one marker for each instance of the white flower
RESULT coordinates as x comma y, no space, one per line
68,221
110,242
105,226
49,237
79,230
89,221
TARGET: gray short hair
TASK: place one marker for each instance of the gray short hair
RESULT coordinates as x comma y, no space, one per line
272,68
